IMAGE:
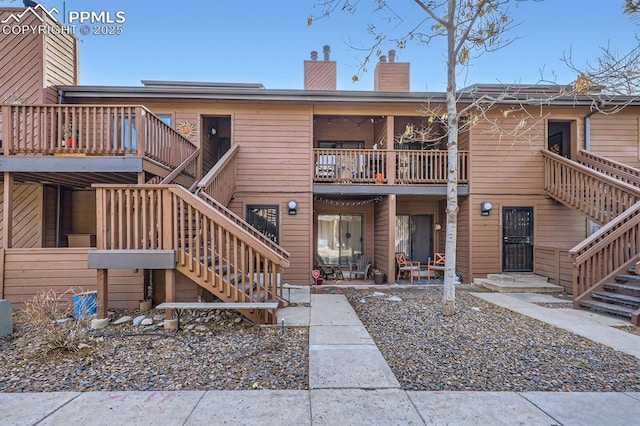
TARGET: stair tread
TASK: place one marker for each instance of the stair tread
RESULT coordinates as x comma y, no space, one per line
608,307
623,287
622,298
628,278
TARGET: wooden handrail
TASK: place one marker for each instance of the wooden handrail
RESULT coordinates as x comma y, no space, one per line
418,166
178,170
211,248
613,203
213,214
350,165
367,166
220,182
609,167
240,222
164,144
595,194
133,221
595,240
608,249
94,130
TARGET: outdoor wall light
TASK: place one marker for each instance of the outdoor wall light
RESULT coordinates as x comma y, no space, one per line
293,207
485,208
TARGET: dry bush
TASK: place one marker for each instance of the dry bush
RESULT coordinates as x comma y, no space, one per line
48,323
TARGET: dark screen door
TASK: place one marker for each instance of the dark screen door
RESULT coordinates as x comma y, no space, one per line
517,239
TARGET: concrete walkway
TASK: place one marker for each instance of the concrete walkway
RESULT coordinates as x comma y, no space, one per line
350,384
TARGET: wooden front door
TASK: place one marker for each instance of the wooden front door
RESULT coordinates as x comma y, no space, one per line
517,239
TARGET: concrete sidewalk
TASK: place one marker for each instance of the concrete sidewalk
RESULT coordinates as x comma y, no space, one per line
350,384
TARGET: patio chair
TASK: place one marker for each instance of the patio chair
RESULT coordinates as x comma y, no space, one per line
328,272
437,264
361,267
406,267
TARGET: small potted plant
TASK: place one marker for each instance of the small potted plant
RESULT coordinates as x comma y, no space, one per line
68,135
378,276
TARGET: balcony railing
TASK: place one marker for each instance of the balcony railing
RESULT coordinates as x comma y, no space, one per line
92,130
368,166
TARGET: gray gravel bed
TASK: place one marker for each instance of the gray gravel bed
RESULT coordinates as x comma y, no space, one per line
219,352
485,347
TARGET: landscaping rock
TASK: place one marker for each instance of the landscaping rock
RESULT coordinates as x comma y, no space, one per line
122,320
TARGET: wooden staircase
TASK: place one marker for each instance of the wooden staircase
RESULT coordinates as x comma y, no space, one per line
620,297
607,193
212,249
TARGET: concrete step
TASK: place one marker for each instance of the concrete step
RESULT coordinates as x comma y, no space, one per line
518,286
608,308
623,288
623,299
516,277
635,279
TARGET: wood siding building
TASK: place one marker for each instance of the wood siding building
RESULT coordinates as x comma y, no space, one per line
288,174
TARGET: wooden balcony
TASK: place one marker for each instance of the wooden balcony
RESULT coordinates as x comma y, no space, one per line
112,138
381,167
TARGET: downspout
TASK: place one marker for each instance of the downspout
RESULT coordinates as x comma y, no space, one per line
587,126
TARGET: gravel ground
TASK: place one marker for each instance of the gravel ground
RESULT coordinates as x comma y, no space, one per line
219,352
484,347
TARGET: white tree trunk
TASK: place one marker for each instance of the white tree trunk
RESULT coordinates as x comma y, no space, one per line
449,290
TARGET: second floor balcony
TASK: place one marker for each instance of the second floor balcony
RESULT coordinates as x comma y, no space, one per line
118,141
386,167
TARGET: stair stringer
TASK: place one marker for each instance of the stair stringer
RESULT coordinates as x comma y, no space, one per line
234,294
612,257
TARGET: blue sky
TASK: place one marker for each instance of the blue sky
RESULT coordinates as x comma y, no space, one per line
257,41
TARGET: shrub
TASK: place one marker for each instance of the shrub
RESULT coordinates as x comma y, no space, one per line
49,324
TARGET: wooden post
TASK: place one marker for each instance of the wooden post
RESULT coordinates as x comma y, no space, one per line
141,127
170,290
7,128
168,244
391,240
7,216
391,153
103,291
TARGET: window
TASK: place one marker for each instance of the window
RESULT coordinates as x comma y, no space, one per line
123,131
265,220
166,118
340,238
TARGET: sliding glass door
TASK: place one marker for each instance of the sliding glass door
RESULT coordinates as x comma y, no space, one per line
340,238
414,236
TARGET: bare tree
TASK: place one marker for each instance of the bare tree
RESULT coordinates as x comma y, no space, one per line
631,6
470,28
613,72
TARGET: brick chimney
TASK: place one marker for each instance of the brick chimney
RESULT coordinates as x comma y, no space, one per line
391,76
320,75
